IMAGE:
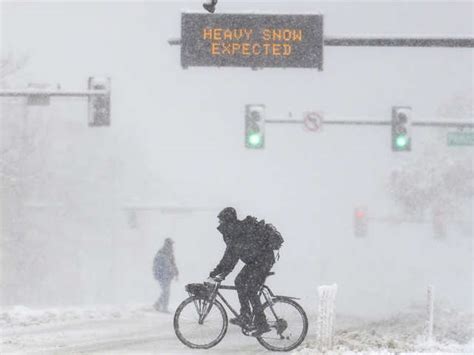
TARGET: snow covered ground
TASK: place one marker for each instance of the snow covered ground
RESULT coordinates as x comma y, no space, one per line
137,329
401,333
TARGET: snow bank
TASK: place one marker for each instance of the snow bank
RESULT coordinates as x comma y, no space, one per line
23,316
401,333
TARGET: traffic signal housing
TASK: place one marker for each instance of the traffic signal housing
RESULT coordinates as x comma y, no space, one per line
255,126
360,222
401,128
99,105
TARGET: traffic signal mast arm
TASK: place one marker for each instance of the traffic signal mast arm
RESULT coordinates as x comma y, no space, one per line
98,95
361,122
401,123
29,92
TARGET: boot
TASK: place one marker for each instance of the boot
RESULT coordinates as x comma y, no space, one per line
241,321
261,329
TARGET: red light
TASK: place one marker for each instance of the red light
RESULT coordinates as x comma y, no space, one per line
360,214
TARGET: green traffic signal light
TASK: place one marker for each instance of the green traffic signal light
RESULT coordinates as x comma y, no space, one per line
254,139
401,141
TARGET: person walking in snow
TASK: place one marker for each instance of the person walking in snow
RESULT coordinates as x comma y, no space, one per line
164,271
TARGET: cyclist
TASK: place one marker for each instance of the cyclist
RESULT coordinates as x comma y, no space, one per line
241,242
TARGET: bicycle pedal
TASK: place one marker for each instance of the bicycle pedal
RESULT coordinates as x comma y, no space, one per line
247,330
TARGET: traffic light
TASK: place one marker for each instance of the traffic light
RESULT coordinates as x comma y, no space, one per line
401,128
360,222
255,126
99,105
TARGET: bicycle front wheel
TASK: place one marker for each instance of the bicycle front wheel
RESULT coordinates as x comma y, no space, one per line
195,331
289,325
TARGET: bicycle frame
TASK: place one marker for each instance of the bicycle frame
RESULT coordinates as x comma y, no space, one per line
264,291
275,307
222,298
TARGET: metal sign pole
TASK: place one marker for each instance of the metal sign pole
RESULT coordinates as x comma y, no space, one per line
386,41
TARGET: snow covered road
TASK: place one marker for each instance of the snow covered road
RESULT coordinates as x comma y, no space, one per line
140,330
148,332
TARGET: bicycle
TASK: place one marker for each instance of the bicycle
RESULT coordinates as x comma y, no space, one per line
200,321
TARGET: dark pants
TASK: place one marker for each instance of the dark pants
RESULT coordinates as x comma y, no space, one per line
162,303
248,282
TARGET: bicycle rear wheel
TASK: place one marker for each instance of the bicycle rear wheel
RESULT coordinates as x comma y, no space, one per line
289,325
198,334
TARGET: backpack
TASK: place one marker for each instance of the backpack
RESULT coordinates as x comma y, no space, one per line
273,236
268,236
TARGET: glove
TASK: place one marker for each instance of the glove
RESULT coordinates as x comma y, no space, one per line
209,280
213,280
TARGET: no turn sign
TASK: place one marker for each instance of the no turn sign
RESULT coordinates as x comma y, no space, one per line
313,121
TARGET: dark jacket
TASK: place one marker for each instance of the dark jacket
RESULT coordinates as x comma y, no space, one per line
241,244
164,266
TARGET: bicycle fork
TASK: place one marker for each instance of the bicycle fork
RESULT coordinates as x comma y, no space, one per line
204,308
